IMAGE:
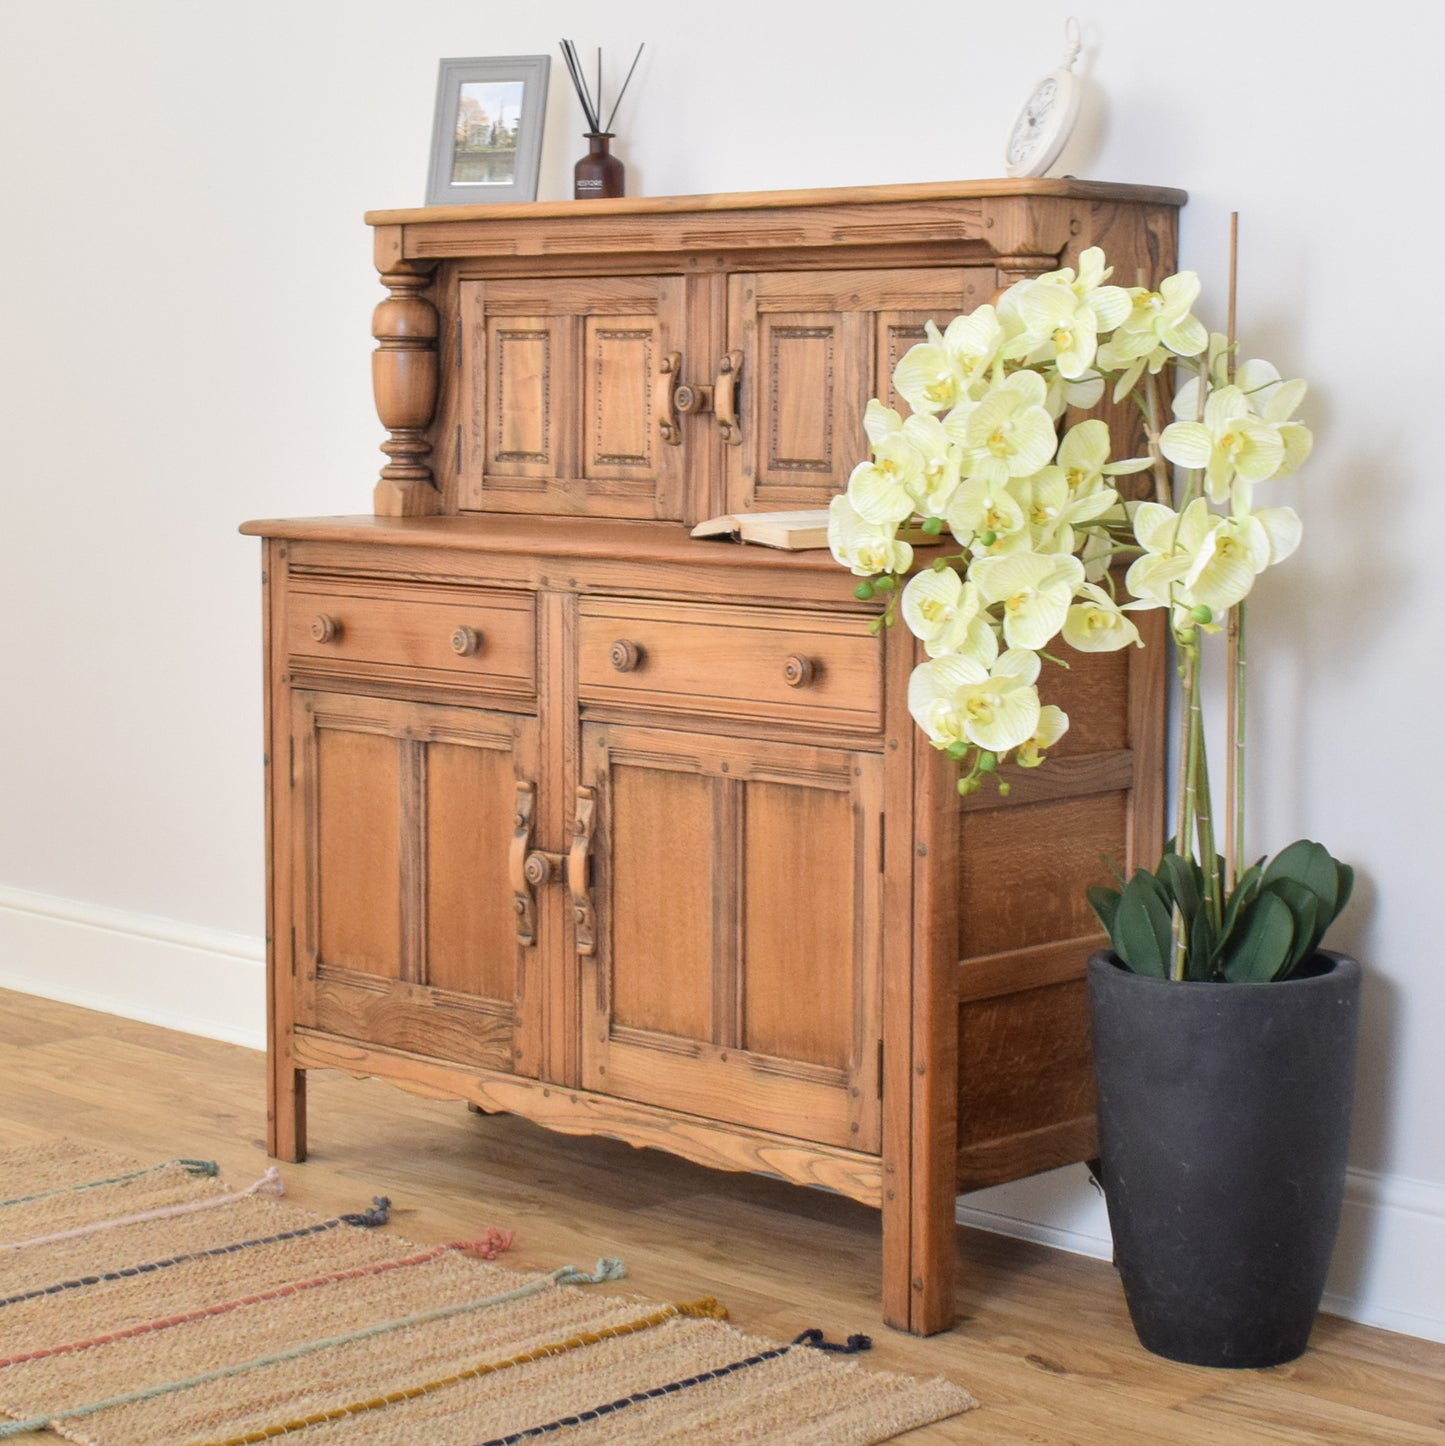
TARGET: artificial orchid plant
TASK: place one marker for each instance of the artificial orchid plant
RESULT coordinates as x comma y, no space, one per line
1042,535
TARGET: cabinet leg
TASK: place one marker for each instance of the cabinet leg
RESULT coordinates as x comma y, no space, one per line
919,1251
286,1109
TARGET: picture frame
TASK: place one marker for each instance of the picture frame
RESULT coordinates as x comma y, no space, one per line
487,134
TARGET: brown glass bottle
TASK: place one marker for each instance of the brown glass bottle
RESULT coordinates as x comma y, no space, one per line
599,172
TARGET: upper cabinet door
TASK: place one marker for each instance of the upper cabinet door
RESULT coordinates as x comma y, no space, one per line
566,389
815,347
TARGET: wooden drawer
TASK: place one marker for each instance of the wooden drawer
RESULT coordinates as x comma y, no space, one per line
420,633
756,663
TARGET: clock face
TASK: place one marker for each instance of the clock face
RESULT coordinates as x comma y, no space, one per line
1042,125
1032,120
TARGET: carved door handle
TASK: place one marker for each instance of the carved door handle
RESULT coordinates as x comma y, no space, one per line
671,395
725,398
325,628
579,871
667,373
524,897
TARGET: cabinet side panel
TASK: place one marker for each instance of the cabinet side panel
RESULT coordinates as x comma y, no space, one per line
471,919
358,832
1023,870
662,906
799,907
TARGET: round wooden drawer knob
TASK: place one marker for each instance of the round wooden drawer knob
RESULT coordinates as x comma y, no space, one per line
625,656
325,629
539,869
466,642
798,671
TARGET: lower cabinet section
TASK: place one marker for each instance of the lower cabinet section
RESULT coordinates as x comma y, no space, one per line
676,867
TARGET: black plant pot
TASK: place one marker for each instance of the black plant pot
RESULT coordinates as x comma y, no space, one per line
1224,1121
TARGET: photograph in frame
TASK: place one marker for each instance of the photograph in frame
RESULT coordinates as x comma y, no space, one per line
487,135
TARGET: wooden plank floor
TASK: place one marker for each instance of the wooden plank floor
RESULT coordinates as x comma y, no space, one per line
1043,1339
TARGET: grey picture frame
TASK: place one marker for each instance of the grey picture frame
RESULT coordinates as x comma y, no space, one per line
487,132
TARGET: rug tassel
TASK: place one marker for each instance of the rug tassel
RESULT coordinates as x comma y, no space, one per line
818,1342
705,1309
608,1268
377,1215
491,1245
200,1167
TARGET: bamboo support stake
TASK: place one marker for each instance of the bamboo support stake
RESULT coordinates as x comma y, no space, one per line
1234,665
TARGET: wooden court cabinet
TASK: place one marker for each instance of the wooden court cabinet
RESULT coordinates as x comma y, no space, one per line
573,816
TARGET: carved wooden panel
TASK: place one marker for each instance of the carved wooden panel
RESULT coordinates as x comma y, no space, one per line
404,820
816,347
1048,852
705,849
355,840
560,409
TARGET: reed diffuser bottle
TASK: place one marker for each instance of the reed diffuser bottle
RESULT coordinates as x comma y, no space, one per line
599,173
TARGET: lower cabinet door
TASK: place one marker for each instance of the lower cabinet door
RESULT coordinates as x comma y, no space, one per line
408,825
736,895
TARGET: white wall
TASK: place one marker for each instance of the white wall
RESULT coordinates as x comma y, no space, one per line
184,343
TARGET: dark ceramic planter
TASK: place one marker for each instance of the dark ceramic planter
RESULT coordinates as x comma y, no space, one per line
1224,1121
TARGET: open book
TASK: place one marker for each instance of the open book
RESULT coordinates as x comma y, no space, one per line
793,531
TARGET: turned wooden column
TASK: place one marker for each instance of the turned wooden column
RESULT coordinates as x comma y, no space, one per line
404,380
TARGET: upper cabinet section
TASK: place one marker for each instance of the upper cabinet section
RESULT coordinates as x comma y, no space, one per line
680,357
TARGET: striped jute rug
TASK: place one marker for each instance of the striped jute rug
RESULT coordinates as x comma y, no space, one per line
145,1303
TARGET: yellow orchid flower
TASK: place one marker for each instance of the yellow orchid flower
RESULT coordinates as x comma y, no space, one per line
1159,327
1052,725
865,548
1009,433
1084,456
944,613
1233,553
1035,590
958,700
940,464
984,514
1230,442
885,489
880,421
1171,540
927,378
1096,624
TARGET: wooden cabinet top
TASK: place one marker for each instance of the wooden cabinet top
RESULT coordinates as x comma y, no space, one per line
1001,213
1065,187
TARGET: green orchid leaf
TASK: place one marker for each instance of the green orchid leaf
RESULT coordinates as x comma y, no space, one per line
1183,882
1203,944
1142,931
1305,906
1264,937
1104,902
1246,889
1346,876
1311,865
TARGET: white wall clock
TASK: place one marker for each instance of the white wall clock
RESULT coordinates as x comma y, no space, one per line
1047,116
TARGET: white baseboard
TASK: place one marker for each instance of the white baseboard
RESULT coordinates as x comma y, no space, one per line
182,976
1389,1267
1389,1261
